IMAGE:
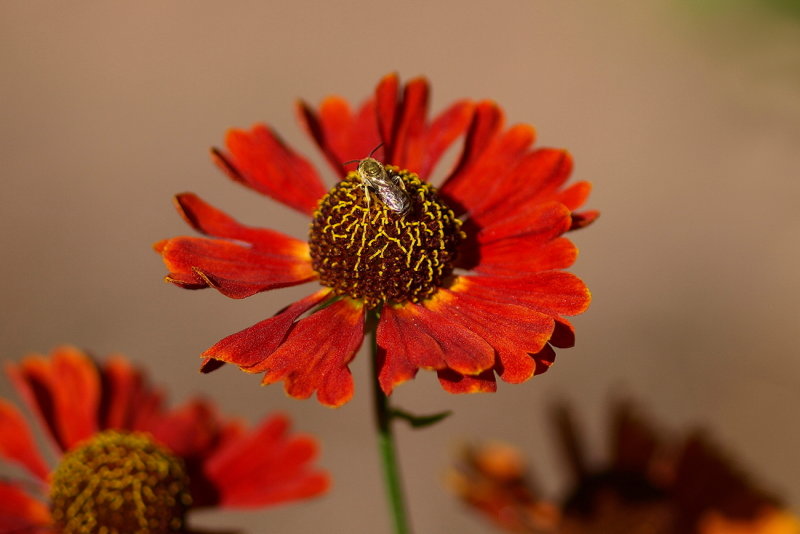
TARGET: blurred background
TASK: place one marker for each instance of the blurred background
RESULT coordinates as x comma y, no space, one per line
684,115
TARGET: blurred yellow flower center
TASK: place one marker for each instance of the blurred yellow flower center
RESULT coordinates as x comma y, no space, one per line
119,483
365,248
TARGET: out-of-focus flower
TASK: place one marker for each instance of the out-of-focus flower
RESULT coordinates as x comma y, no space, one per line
494,480
385,240
650,485
126,464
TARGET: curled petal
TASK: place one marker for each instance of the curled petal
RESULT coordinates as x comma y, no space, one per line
414,337
235,270
259,159
316,354
454,382
63,391
17,444
19,512
210,221
266,466
253,345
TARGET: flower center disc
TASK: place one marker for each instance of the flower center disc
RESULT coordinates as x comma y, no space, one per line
119,484
364,249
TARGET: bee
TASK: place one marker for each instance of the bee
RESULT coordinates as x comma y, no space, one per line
386,185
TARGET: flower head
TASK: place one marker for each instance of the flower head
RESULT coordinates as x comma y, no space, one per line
467,279
127,464
650,485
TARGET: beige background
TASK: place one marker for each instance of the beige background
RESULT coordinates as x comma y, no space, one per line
687,122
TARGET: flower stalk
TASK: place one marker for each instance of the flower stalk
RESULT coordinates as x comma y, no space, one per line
386,444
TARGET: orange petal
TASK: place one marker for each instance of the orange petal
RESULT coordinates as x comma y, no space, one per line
17,443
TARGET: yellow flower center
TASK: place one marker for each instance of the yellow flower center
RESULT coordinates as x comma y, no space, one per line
119,483
380,244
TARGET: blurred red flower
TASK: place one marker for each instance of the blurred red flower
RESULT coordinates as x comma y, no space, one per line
391,245
650,485
125,461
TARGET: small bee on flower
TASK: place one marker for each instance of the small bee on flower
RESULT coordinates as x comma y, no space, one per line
388,187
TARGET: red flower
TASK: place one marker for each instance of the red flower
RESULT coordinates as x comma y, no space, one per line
498,218
651,484
113,436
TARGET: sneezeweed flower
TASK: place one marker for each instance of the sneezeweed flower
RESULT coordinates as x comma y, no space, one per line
126,464
651,485
467,279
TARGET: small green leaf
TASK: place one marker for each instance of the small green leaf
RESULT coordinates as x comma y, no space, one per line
419,421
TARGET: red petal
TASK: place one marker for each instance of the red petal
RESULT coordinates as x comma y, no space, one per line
574,196
554,293
411,124
542,222
261,160
267,466
534,179
515,332
210,221
414,337
253,345
21,513
128,401
583,219
453,382
488,156
189,430
341,135
441,133
386,96
17,443
63,391
316,354
235,270
522,256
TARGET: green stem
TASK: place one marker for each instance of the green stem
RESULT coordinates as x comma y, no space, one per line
386,446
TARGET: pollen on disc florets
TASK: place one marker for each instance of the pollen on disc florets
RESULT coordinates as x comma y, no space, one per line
119,483
364,250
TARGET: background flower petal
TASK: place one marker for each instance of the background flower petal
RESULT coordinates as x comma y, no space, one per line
128,401
63,391
268,465
21,513
17,444
259,159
